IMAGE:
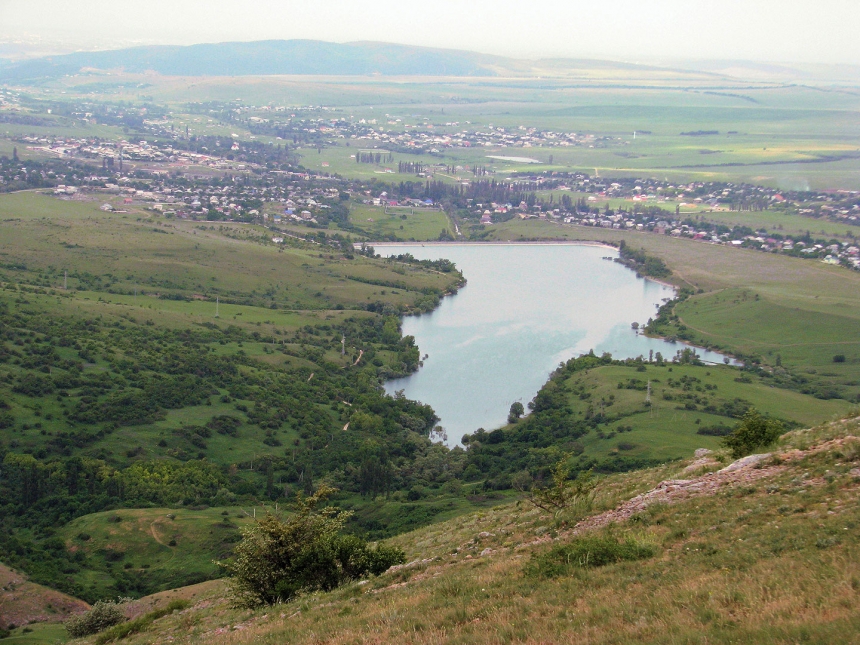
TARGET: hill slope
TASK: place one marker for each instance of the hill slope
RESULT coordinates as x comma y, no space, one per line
23,602
764,550
265,57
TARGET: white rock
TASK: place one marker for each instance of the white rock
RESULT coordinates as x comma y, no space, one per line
746,462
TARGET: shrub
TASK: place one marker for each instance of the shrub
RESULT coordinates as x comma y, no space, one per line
141,623
752,432
104,614
586,552
839,358
562,493
278,559
717,430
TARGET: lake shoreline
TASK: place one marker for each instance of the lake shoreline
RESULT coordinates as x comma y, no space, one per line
526,310
495,243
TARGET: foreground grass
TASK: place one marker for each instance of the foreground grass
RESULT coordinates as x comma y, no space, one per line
771,558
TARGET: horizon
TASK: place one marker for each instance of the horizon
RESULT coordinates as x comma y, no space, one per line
619,30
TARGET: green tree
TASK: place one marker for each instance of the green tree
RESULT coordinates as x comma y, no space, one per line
564,493
278,559
752,432
517,410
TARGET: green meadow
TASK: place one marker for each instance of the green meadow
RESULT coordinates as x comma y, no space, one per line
681,397
401,223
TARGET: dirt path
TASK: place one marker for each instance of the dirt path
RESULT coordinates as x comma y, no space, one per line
154,534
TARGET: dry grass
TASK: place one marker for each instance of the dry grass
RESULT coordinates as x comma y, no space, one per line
23,602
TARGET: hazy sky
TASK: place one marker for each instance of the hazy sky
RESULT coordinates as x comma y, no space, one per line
631,30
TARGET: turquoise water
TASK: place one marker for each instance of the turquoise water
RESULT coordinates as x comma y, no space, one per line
525,309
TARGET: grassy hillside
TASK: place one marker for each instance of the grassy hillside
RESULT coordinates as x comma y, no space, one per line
161,545
146,362
761,553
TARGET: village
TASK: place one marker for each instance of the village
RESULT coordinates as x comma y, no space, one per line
172,179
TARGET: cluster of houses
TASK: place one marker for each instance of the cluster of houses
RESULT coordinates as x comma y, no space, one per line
430,138
291,195
406,132
10,100
114,155
845,253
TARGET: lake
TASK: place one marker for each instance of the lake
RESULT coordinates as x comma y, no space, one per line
525,309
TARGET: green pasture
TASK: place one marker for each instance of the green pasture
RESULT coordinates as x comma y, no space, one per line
136,251
782,223
666,429
403,222
38,634
803,339
156,543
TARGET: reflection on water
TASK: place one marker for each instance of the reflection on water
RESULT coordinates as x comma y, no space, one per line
526,308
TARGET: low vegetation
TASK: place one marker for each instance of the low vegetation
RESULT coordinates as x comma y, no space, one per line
765,553
104,614
278,559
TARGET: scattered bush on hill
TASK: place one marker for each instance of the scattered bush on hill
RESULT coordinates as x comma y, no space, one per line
586,552
563,494
104,614
752,432
716,430
141,623
278,559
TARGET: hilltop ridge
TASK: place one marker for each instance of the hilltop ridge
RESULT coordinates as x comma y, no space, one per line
310,57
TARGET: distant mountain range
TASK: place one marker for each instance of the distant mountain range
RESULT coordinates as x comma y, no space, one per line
304,57
315,57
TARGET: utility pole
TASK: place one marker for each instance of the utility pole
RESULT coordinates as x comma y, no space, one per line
343,344
217,302
648,399
66,280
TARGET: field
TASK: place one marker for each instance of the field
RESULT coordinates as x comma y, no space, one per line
38,634
54,236
767,556
400,223
156,544
667,429
788,136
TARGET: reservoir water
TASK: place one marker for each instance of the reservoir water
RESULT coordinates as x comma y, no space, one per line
525,309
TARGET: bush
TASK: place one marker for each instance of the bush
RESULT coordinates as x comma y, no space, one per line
104,614
141,623
278,559
586,552
752,432
717,430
